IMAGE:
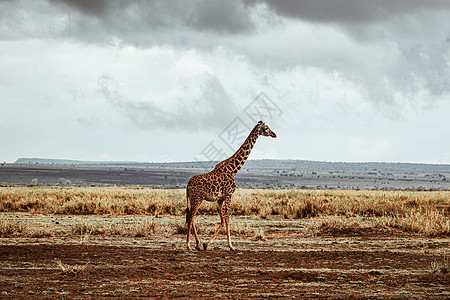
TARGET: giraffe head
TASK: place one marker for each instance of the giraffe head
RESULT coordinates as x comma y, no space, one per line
264,130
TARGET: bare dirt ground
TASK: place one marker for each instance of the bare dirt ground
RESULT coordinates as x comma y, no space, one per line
288,263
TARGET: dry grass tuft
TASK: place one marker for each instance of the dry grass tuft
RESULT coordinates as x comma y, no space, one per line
9,228
70,270
428,222
84,228
441,267
145,228
242,228
181,228
336,224
259,235
41,232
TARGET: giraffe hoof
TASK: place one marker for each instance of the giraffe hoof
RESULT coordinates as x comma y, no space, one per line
205,246
198,248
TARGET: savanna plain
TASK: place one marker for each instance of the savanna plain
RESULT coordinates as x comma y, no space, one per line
104,241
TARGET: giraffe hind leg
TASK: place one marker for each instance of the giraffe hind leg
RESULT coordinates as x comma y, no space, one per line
190,223
197,240
191,226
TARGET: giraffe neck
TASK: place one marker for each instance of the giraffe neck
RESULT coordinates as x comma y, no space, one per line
233,164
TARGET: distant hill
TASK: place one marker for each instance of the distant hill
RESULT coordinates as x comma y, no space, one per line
272,164
55,161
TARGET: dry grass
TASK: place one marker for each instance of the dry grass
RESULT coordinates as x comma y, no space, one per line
442,267
259,235
144,228
85,228
425,212
335,224
429,222
41,232
92,200
10,227
140,229
68,269
295,203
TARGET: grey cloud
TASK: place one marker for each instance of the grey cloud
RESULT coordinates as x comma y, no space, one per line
182,23
231,16
91,7
132,21
214,107
394,51
187,21
349,10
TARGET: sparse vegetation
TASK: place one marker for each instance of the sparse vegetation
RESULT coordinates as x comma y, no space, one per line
41,232
8,227
429,222
86,228
144,228
335,224
68,269
181,228
140,229
244,228
424,212
259,235
441,267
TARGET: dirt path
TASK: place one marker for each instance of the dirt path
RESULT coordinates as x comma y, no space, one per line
285,265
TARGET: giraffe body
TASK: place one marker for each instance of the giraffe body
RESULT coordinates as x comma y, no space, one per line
219,185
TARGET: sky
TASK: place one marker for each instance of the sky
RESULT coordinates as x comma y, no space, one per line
184,80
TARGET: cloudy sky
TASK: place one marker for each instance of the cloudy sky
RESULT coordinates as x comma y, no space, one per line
179,80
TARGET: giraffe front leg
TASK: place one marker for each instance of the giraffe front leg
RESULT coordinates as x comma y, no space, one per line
227,224
226,218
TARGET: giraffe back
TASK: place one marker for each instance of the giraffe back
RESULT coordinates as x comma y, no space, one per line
211,186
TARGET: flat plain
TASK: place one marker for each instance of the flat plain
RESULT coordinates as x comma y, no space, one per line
126,242
255,173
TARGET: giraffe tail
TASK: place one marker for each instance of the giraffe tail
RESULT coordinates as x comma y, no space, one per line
187,208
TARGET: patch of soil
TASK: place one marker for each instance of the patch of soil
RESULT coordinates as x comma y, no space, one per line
160,267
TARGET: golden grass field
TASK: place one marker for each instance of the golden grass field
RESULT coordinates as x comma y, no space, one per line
424,212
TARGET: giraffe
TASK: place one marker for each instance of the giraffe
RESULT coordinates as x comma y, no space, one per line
219,185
